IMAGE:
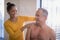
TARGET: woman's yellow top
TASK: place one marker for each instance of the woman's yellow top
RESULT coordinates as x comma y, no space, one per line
13,28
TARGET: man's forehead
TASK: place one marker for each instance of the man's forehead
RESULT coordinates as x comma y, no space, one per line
42,12
39,12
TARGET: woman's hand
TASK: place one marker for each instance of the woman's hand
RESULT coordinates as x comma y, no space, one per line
22,29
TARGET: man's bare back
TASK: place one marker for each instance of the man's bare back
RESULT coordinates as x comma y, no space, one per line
37,33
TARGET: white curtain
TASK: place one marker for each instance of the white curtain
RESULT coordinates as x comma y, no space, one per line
53,7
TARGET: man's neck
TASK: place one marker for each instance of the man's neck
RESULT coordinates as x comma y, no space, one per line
41,25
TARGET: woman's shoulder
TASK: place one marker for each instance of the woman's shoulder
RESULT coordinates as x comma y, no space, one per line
6,22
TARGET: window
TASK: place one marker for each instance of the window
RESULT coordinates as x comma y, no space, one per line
53,20
1,19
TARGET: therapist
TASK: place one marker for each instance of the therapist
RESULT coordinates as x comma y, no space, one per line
15,23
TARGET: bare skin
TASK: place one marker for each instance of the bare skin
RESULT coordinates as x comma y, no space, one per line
35,32
39,30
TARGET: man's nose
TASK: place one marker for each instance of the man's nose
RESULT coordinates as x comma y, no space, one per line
37,18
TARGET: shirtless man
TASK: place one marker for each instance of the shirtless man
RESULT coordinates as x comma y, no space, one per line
39,30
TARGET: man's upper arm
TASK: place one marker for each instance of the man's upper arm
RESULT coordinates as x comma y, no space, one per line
28,33
53,35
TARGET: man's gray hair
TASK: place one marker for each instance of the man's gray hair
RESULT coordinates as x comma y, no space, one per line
45,12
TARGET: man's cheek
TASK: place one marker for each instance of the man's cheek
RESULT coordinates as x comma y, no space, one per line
41,19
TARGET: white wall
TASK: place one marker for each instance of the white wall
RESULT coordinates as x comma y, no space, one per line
25,8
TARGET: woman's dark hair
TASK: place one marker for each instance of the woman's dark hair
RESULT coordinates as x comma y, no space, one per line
9,6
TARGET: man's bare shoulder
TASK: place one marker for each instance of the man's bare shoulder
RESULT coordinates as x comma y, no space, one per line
50,29
51,32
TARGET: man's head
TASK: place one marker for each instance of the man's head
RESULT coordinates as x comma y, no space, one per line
41,15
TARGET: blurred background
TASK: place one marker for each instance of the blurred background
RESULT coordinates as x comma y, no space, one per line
1,19
28,8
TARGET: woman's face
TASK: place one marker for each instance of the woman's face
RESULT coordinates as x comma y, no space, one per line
13,12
